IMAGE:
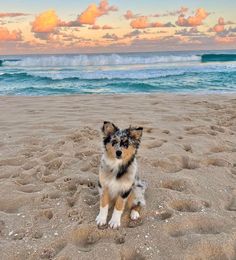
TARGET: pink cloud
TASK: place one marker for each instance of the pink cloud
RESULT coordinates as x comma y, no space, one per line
6,35
129,15
193,21
142,23
220,26
182,10
98,27
4,15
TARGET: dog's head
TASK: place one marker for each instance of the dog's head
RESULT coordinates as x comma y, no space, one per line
121,144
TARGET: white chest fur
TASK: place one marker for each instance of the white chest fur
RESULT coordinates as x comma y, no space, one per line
108,176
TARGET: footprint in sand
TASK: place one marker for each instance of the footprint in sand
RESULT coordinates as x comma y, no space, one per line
176,163
217,162
187,148
30,188
176,184
219,149
15,161
75,215
50,156
162,215
196,225
46,214
29,165
85,237
155,144
55,164
195,130
189,205
166,132
51,251
2,227
232,204
217,128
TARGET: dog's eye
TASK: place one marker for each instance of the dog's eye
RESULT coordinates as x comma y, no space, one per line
114,142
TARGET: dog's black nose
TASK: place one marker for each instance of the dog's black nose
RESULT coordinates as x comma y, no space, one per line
118,153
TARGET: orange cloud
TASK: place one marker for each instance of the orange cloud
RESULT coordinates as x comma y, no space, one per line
90,15
6,35
45,22
192,21
142,23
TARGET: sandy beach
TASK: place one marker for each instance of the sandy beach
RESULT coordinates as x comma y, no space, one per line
50,149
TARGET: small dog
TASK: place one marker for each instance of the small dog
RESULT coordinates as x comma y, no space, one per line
118,177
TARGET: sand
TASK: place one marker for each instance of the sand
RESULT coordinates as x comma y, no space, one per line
50,149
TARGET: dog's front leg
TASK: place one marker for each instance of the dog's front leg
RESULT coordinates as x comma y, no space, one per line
118,209
101,218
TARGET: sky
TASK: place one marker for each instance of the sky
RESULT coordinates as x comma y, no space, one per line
72,26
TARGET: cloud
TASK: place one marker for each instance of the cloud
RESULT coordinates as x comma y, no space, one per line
134,33
45,22
192,21
6,35
93,11
98,27
220,26
5,15
226,40
109,36
227,33
129,15
189,32
142,23
181,11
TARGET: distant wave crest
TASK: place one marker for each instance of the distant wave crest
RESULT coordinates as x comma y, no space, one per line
218,57
95,60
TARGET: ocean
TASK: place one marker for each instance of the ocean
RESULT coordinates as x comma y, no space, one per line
179,72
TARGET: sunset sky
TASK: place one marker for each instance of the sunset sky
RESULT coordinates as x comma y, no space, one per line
74,26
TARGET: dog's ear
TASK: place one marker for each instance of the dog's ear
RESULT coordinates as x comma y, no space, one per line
109,128
136,133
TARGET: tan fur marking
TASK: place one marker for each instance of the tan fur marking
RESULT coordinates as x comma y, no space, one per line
109,128
130,200
110,151
135,133
120,203
128,153
105,198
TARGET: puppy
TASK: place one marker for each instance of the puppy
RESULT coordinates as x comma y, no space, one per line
118,176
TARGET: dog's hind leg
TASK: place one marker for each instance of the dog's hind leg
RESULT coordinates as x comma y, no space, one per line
136,199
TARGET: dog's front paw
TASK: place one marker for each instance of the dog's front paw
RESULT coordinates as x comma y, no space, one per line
101,220
114,223
134,215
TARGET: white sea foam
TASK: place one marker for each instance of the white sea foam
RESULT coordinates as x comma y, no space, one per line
97,60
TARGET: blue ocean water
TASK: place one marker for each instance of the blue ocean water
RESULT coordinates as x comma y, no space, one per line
202,71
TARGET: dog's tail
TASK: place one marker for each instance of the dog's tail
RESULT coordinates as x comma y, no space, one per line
139,189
